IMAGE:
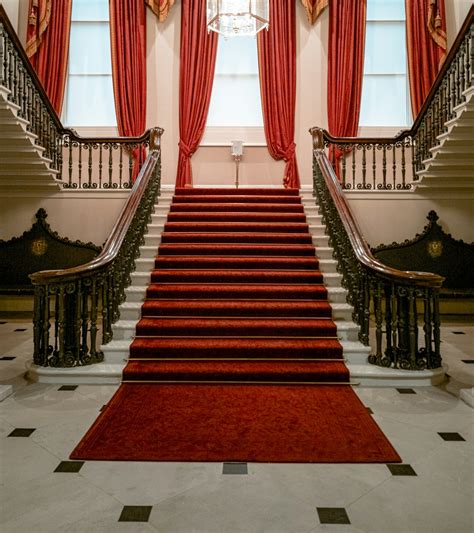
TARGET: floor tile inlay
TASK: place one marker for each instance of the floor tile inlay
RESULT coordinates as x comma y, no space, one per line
235,468
333,515
70,467
135,513
451,436
22,432
68,387
7,358
401,470
406,391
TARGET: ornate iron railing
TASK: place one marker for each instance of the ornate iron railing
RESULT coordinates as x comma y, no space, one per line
74,309
377,163
399,301
79,162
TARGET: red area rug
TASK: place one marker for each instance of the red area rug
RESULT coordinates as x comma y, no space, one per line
236,355
248,423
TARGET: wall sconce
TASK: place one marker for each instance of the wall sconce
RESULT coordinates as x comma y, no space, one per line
237,152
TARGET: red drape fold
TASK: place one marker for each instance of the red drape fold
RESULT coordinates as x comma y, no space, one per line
345,69
426,46
128,47
49,25
277,67
197,66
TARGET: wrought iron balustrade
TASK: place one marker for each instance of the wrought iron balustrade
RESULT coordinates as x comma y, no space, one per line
81,162
74,309
378,163
400,301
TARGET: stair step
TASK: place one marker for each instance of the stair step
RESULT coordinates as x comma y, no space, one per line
236,198
268,250
197,262
199,191
236,237
237,226
236,207
237,371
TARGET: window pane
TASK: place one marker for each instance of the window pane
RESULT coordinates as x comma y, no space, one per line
90,101
237,55
90,10
385,48
89,51
386,9
235,102
384,101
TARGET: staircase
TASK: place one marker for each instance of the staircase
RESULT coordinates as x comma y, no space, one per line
23,165
243,279
451,165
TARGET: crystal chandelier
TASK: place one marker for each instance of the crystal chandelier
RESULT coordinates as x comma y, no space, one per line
237,17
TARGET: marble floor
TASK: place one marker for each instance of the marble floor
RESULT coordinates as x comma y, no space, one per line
42,491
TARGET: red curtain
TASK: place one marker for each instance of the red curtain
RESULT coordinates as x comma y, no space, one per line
426,46
196,76
47,46
128,46
277,66
345,69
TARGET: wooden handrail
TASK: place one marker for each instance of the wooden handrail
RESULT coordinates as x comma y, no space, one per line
117,235
468,21
354,233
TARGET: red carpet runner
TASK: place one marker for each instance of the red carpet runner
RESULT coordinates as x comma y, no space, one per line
236,357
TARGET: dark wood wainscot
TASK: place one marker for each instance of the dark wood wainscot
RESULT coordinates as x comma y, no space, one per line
39,248
433,250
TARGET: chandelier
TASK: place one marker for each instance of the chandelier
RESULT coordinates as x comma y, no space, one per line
233,18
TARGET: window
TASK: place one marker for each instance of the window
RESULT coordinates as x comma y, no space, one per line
89,92
385,90
235,99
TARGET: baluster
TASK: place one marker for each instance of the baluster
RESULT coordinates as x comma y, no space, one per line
462,75
61,322
2,56
412,327
403,166
378,320
364,167
427,328
384,166
353,168
110,165
39,354
89,165
374,166
76,349
130,165
467,66
394,166
46,325
84,350
120,165
93,320
70,162
79,165
436,329
393,326
100,164
344,164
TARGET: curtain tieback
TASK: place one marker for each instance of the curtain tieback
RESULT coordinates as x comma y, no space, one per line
290,152
185,150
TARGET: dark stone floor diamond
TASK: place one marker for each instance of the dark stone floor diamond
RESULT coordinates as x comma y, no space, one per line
7,358
20,329
401,470
451,436
468,361
22,432
459,332
235,468
406,391
369,410
70,467
333,515
135,513
1,323
68,387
